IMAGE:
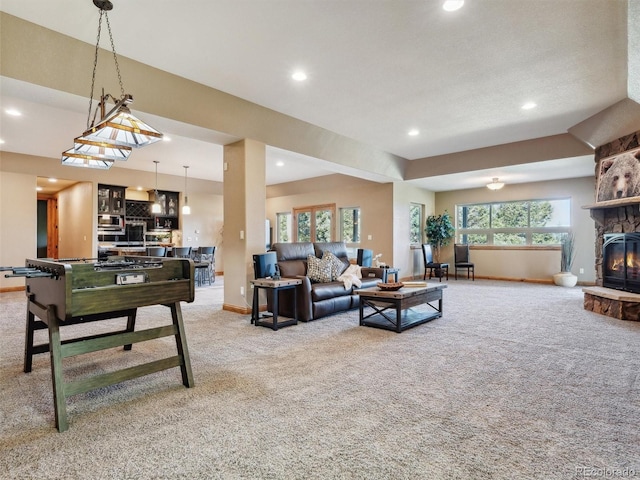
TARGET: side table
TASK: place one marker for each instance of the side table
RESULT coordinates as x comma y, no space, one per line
272,288
391,271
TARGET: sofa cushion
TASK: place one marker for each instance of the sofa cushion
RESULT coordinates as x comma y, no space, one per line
324,291
318,270
337,265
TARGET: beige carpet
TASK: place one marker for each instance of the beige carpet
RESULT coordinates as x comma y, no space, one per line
515,381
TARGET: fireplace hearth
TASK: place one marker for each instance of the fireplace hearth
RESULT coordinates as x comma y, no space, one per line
621,261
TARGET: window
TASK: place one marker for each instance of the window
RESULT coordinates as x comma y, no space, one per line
314,224
415,223
527,222
350,224
283,230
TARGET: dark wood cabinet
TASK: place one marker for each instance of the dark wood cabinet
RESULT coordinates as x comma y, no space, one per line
169,208
111,199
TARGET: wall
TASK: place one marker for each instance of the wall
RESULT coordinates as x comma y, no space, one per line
374,199
77,221
18,214
532,264
404,257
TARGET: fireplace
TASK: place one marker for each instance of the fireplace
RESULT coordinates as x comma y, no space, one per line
621,261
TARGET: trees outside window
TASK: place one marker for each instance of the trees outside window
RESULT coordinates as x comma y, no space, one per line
314,224
350,224
415,223
526,222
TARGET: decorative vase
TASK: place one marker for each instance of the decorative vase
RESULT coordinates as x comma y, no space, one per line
565,279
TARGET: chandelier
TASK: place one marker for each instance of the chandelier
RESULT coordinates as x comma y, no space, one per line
114,135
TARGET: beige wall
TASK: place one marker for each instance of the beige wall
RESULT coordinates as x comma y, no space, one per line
374,199
18,214
527,264
77,221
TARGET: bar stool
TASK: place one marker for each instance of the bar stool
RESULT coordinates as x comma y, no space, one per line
156,251
204,265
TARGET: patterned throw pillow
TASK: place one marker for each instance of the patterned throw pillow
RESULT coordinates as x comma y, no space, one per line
318,270
337,265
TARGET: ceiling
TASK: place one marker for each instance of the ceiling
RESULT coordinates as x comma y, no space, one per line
376,69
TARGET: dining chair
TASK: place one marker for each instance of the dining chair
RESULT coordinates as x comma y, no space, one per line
435,269
462,260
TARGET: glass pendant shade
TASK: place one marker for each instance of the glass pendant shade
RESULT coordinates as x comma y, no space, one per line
100,150
121,127
72,159
156,208
186,209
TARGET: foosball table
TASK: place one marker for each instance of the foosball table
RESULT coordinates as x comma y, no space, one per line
62,293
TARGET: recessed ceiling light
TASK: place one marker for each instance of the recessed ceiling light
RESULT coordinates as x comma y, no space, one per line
13,112
53,180
299,76
1,141
413,132
39,189
166,138
279,163
529,106
139,188
452,5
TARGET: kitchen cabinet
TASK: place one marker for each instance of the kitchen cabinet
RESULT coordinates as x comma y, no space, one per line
111,199
167,219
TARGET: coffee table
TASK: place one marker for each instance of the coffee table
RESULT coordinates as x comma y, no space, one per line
393,310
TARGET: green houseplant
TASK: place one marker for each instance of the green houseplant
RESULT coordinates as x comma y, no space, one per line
567,252
439,231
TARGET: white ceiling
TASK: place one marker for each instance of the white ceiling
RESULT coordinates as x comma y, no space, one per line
376,69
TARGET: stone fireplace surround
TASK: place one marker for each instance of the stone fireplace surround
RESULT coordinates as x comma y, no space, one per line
622,218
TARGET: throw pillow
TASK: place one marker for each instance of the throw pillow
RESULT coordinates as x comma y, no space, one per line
318,270
337,265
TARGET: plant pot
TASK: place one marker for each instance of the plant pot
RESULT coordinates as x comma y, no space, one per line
565,279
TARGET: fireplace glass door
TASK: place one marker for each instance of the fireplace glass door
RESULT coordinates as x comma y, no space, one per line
621,261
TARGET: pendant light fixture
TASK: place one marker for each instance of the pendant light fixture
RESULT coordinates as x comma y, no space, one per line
117,131
186,209
156,208
495,184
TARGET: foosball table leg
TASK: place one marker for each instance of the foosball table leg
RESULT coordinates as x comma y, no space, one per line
28,342
55,352
181,344
131,325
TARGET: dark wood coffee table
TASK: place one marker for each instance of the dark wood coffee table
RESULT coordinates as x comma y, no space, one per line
393,310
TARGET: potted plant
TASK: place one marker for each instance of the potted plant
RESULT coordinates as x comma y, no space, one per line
439,231
567,251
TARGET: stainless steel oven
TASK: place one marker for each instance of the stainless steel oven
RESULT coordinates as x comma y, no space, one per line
110,225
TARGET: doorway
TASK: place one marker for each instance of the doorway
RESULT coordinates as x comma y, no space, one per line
47,227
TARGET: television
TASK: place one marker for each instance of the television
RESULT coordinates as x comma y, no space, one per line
264,264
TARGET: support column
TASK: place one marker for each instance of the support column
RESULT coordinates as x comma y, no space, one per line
244,219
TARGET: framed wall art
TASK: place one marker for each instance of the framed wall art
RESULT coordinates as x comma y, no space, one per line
619,177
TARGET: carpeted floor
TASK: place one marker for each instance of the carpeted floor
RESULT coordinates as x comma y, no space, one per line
515,381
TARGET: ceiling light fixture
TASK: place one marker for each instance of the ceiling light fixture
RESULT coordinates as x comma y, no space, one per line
117,131
299,76
529,106
13,112
452,5
156,208
495,184
186,209
413,132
